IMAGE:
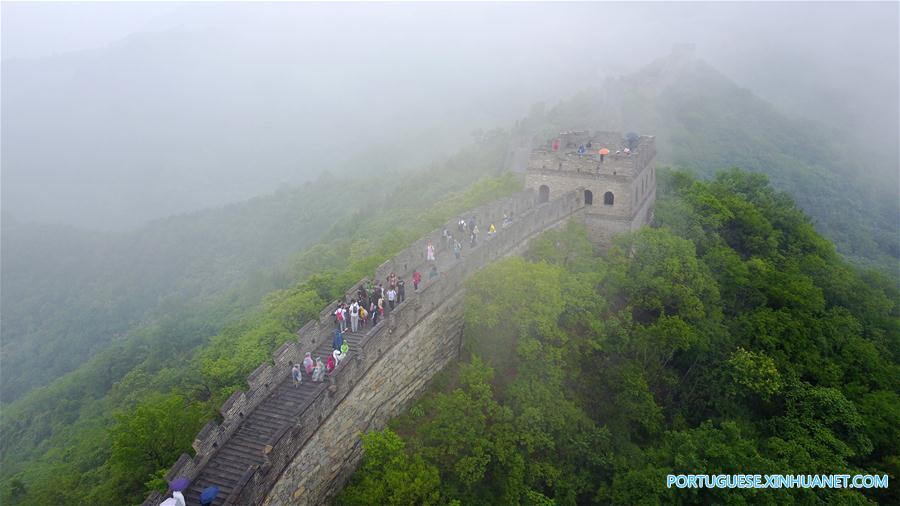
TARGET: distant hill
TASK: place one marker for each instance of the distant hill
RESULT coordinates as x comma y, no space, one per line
185,309
68,293
705,122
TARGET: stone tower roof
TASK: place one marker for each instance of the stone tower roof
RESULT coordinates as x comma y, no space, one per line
578,151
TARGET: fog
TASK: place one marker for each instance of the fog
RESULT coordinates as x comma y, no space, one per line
115,114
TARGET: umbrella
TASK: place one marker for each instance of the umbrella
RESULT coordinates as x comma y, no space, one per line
208,494
603,151
169,502
179,484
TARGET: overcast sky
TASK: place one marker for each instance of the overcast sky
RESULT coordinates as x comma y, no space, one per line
121,112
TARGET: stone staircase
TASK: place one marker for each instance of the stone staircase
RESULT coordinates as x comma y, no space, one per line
264,427
245,448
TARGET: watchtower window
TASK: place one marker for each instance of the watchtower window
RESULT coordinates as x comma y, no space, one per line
544,193
588,198
608,199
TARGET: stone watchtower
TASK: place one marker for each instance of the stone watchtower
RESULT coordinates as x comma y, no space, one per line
616,174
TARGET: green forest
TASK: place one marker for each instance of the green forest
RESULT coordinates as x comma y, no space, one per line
106,432
729,337
729,332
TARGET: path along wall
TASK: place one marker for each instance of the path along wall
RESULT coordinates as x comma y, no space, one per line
427,328
421,338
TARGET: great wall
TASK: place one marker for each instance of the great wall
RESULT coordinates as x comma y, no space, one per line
279,444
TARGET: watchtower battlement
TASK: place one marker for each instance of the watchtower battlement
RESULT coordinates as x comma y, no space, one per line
615,172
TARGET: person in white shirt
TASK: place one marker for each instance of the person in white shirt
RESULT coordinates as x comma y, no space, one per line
354,316
392,297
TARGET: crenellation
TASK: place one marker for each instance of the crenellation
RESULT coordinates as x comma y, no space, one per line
433,344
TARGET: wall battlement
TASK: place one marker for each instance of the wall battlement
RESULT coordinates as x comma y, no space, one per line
357,373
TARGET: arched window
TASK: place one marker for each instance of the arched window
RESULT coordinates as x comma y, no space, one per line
544,193
588,198
608,199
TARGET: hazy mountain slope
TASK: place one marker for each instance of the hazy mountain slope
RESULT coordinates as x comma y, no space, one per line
705,122
69,294
203,351
728,336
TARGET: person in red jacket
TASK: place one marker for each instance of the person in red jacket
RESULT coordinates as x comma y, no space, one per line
417,278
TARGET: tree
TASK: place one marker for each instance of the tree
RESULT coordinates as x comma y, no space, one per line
151,436
389,476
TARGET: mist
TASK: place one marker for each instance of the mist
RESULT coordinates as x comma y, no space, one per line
117,114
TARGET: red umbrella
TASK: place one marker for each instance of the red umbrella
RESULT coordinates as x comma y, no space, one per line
603,151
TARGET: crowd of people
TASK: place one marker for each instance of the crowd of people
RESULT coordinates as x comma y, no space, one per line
373,299
365,310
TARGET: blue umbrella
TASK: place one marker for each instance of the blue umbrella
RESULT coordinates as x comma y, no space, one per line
179,484
208,494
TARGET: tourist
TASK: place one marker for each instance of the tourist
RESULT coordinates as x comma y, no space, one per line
338,357
457,249
339,317
318,374
297,375
373,313
345,349
417,278
330,363
381,307
401,291
354,316
392,297
491,230
363,316
209,495
429,252
337,340
309,363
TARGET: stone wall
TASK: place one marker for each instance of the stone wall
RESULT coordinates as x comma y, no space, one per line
329,457
419,338
529,219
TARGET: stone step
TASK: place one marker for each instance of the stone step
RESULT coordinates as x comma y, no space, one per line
278,408
240,455
263,425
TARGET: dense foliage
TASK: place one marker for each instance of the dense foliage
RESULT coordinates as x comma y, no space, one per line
728,338
107,431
